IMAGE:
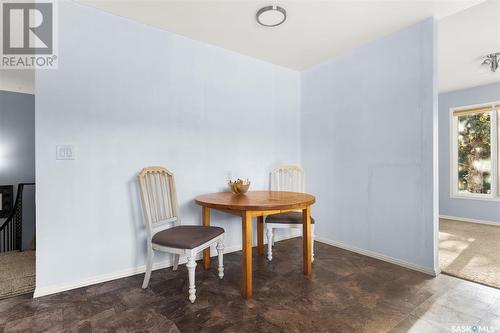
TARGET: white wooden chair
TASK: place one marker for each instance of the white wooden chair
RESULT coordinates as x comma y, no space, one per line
288,178
161,211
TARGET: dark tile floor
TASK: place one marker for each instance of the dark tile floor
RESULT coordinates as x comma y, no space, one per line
347,292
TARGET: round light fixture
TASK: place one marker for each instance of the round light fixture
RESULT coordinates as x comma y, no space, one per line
271,16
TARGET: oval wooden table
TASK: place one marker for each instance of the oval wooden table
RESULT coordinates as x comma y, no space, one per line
257,204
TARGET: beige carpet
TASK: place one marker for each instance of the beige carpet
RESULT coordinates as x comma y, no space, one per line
470,251
17,273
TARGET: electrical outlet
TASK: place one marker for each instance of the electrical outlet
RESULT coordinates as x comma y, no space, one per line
65,152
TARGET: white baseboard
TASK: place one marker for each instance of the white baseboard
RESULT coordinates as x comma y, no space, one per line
39,292
465,219
399,262
44,291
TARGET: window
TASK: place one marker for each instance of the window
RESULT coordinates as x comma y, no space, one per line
474,156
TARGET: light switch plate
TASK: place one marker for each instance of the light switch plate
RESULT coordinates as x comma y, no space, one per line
65,152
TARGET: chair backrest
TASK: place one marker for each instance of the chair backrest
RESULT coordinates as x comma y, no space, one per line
158,196
288,178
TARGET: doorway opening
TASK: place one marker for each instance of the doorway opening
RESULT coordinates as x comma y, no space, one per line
469,144
17,184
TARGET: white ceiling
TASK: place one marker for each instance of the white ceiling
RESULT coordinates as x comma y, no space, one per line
18,80
316,31
313,32
463,39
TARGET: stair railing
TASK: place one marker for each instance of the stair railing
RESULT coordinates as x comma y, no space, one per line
11,231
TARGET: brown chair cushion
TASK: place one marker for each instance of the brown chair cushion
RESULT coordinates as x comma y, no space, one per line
286,218
186,236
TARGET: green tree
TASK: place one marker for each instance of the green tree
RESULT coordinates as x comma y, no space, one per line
474,147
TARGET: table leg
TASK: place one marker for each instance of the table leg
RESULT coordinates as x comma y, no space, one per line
260,235
246,277
205,215
306,239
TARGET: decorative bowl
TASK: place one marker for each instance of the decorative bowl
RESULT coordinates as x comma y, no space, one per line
239,186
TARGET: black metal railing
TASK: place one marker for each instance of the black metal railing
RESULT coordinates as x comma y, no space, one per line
11,231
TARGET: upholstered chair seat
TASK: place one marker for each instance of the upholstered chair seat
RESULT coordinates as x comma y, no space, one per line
186,236
287,218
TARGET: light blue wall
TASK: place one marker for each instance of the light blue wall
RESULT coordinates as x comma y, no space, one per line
467,208
127,96
369,121
17,152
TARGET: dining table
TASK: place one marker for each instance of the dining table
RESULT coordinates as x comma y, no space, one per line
258,204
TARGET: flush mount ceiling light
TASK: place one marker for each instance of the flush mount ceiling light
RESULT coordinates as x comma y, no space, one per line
271,16
492,60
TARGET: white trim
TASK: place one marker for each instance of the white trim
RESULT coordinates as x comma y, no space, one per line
44,291
466,219
453,147
430,271
475,106
495,158
472,196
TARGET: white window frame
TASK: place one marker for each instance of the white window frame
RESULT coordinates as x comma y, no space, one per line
495,154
